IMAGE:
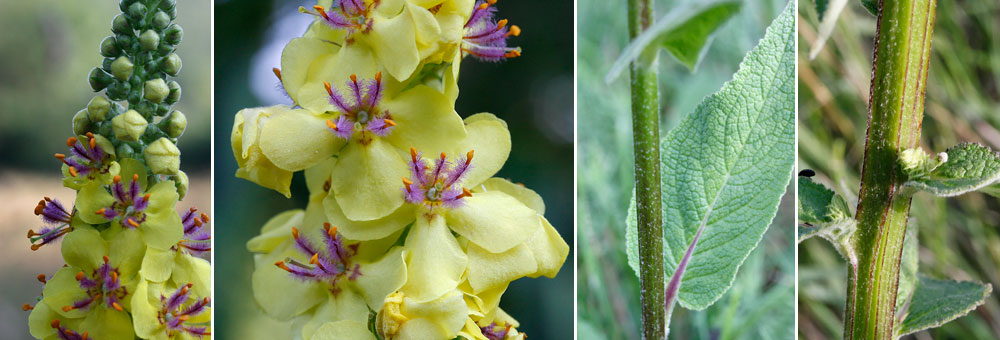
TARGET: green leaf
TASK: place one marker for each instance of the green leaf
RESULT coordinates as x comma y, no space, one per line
725,168
871,6
686,32
935,302
967,167
825,214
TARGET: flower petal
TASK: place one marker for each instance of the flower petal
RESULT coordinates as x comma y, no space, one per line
381,278
84,248
107,323
488,135
278,293
157,264
62,290
440,318
489,270
395,44
436,262
425,120
549,250
91,198
493,220
318,175
144,312
276,231
527,196
346,306
367,230
297,140
355,58
366,180
193,270
343,330
297,61
125,250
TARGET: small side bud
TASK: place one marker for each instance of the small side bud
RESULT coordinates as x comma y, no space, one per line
173,34
109,47
175,92
160,20
120,24
97,109
181,181
129,126
99,79
149,40
122,68
156,90
176,124
172,64
81,122
168,4
136,10
163,157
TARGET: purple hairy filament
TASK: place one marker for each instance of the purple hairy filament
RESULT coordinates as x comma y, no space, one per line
486,38
58,218
197,237
176,311
437,185
67,334
350,15
330,265
85,158
360,113
493,331
103,286
128,206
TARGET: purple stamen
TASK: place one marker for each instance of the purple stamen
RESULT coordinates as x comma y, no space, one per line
330,265
196,235
485,38
491,332
362,112
102,284
437,186
174,314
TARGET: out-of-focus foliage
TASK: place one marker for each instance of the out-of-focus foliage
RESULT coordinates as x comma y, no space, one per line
49,48
959,236
608,292
532,93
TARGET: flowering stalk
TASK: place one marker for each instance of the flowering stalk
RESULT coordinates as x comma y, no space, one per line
122,234
406,234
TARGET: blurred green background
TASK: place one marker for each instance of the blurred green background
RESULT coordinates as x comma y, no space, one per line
760,303
48,48
959,237
533,93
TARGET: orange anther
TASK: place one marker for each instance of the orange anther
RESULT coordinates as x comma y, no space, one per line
331,124
389,122
197,222
114,276
332,231
354,78
204,217
321,11
135,177
55,322
72,171
60,156
84,335
295,232
79,276
407,182
501,24
378,76
35,246
100,211
90,135
32,233
132,223
512,54
281,264
314,259
514,30
70,141
117,306
484,6
465,193
41,278
26,307
443,155
106,259
146,197
468,156
328,87
117,178
39,209
492,2
277,72
413,154
93,143
182,318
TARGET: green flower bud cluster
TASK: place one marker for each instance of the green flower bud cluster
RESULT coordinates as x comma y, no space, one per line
138,96
134,266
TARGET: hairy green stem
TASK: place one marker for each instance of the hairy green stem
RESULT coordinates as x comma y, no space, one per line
899,77
646,135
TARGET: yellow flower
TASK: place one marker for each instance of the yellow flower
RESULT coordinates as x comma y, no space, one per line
402,317
254,166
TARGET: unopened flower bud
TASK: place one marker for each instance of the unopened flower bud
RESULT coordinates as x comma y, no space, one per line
149,40
99,79
156,90
182,182
163,157
172,64
168,4
173,34
129,126
120,25
122,68
98,108
175,92
160,20
124,151
176,124
136,10
81,123
109,47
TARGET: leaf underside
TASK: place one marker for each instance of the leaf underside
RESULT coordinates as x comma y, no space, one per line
686,32
935,302
969,167
725,168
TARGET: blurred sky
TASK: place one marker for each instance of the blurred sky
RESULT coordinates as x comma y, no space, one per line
48,49
533,93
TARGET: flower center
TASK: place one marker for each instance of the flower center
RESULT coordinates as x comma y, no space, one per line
59,219
436,185
197,236
330,265
493,331
177,310
128,207
350,15
65,333
102,285
359,112
85,159
485,38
